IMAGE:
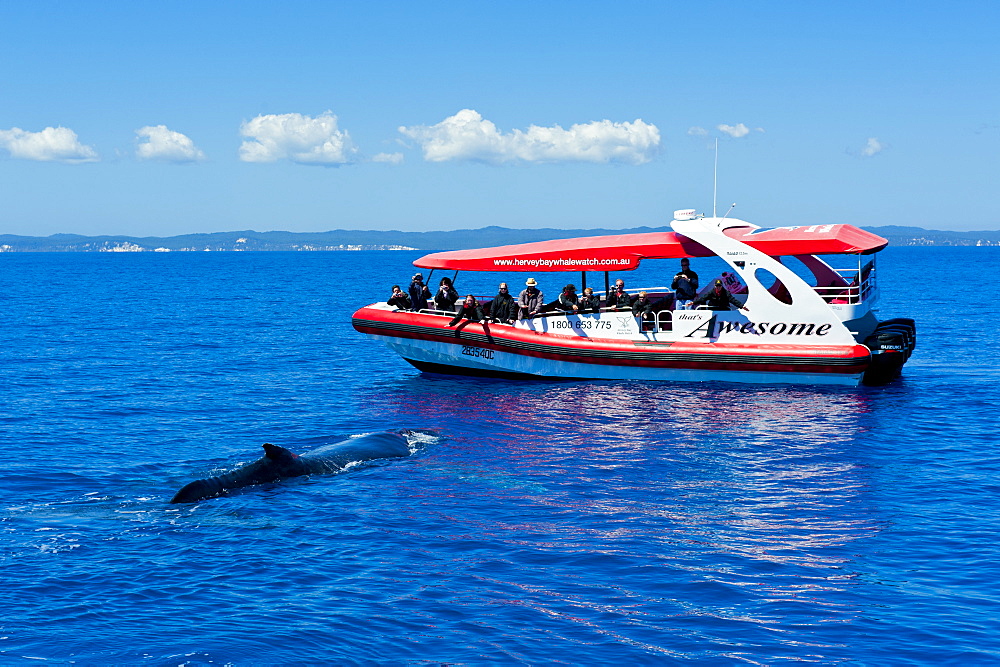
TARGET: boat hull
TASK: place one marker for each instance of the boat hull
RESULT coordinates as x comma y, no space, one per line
513,352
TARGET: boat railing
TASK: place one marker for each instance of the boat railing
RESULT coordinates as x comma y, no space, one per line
850,292
664,321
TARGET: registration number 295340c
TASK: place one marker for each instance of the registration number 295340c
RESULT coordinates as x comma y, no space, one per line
478,352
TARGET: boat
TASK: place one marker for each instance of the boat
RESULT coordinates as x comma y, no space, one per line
802,320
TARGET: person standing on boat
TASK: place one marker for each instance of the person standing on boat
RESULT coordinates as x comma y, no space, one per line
531,300
568,299
446,296
399,300
419,292
470,310
589,302
503,310
718,298
619,298
685,286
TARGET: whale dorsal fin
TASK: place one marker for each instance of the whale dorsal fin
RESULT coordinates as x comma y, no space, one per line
278,454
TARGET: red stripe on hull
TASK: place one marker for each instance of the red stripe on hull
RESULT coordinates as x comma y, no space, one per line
776,358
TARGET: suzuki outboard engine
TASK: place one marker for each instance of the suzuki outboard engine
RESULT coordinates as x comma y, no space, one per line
892,343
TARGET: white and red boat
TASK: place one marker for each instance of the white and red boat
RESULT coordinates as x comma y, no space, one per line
816,325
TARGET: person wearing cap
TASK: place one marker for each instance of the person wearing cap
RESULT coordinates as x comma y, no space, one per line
399,299
531,299
419,292
718,298
685,286
503,308
568,299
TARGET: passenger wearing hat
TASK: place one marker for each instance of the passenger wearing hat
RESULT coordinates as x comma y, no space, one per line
531,299
568,299
718,298
419,292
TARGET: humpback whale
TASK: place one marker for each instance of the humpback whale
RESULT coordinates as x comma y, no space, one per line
279,463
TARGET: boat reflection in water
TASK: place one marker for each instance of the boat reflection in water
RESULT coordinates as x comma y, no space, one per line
743,505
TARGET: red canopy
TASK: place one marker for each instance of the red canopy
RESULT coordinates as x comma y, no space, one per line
625,251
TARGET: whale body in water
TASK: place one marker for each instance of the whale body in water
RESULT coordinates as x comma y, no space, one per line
279,463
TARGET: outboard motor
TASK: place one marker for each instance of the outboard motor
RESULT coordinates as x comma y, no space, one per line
892,343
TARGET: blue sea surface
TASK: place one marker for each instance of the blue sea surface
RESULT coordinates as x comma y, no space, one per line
545,523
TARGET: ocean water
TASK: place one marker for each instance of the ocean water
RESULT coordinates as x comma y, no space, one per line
543,523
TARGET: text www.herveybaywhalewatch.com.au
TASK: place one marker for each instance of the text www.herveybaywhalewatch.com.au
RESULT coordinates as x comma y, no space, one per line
539,261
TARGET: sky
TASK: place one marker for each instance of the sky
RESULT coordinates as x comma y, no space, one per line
166,118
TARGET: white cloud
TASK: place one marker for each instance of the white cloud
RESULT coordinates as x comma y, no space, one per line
735,131
697,131
873,147
467,136
166,145
297,138
53,144
390,158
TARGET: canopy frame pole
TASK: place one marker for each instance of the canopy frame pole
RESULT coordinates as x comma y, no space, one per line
583,281
607,285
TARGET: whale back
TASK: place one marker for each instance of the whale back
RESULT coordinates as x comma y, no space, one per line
277,463
334,457
280,463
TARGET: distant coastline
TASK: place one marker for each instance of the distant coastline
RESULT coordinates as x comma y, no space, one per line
347,240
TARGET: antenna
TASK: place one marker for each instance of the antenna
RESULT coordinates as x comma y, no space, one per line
729,211
715,178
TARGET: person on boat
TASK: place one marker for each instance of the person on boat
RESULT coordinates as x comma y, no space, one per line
420,293
503,310
643,307
399,299
531,300
619,298
446,295
718,298
470,310
589,302
568,299
685,286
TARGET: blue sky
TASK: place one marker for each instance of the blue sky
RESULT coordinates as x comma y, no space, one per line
179,117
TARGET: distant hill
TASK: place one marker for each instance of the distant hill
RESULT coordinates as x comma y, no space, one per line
346,240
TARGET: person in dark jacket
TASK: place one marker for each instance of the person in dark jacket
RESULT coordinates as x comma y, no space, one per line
568,299
446,295
685,286
589,302
419,292
504,308
531,300
470,310
399,300
718,298
619,298
643,307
